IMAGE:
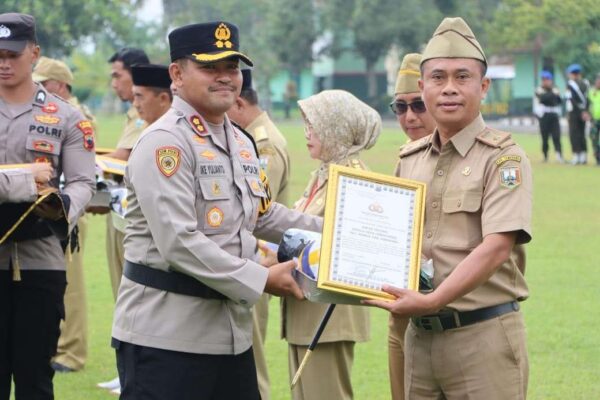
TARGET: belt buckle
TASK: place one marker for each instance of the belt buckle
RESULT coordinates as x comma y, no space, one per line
430,323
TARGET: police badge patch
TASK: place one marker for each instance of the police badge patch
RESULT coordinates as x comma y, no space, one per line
510,177
167,159
214,217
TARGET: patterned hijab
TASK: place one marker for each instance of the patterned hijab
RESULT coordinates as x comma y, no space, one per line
344,124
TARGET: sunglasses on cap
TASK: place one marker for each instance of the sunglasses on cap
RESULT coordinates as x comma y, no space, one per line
400,107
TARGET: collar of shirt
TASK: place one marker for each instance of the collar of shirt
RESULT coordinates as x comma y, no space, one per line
132,113
464,139
261,120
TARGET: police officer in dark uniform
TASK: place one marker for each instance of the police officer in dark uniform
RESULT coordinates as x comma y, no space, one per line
36,126
547,107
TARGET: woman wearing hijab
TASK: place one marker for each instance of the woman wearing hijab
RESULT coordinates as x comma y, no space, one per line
337,127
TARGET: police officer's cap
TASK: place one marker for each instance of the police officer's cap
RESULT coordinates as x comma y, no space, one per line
409,74
15,31
574,69
49,68
546,75
453,39
151,75
206,42
247,79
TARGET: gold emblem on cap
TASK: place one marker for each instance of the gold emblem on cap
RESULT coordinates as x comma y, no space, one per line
466,171
222,34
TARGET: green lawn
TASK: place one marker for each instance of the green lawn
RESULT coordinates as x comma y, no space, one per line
562,272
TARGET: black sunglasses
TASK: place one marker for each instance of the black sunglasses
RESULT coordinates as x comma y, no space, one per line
400,107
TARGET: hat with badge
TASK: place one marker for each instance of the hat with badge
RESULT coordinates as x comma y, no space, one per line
453,39
151,75
49,68
207,42
409,74
246,79
15,31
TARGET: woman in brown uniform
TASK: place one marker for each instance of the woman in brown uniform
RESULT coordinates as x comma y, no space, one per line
337,127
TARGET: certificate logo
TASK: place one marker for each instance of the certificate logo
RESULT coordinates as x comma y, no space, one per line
376,208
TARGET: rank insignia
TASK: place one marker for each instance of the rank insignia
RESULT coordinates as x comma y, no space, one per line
199,140
216,188
466,171
504,159
43,146
47,119
167,159
222,34
40,97
196,122
510,177
209,155
245,154
50,108
214,217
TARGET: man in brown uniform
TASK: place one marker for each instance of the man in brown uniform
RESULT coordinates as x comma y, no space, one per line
274,158
71,353
417,123
466,339
196,195
36,126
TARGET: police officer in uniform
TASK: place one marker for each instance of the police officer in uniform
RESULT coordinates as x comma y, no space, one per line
577,113
274,158
547,107
36,126
183,323
152,95
466,339
71,353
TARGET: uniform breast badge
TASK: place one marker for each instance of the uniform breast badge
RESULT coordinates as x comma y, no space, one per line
47,119
209,155
214,217
245,154
167,159
466,171
50,108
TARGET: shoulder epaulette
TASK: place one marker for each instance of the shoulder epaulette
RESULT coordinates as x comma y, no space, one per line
249,137
355,163
413,147
495,138
260,134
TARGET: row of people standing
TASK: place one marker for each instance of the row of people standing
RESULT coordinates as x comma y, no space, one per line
582,104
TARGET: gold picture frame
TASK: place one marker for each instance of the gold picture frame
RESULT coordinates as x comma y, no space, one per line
372,233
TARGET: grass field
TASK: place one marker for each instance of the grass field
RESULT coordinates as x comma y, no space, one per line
563,272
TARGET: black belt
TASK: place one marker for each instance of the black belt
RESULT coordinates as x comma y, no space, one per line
174,282
450,320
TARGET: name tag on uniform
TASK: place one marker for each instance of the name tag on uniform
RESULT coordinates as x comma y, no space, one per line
211,169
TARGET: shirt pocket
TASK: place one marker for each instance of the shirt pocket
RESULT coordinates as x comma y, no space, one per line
215,209
460,227
43,149
258,195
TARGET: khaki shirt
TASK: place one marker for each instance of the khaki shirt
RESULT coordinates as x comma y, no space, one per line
133,128
193,207
478,183
51,130
300,319
272,149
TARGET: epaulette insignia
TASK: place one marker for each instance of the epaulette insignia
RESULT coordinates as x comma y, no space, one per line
198,126
495,138
413,147
355,163
267,150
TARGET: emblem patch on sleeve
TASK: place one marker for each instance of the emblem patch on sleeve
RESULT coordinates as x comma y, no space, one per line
214,217
510,177
87,129
167,160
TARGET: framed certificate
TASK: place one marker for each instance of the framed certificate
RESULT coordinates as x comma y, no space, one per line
371,234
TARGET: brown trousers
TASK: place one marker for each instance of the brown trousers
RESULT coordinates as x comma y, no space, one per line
397,330
483,361
73,341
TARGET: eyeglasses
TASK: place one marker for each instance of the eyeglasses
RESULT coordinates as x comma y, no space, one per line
401,107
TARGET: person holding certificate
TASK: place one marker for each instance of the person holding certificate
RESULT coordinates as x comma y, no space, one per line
466,338
337,127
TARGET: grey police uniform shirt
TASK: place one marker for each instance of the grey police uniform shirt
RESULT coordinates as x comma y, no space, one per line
17,186
193,207
47,129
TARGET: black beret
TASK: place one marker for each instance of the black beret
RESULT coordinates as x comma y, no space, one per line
15,31
207,42
151,75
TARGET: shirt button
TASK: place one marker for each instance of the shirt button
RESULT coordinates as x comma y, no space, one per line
429,235
440,172
434,204
242,301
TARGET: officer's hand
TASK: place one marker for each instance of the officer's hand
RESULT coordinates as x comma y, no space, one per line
97,209
280,281
408,303
586,116
42,172
268,257
49,211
